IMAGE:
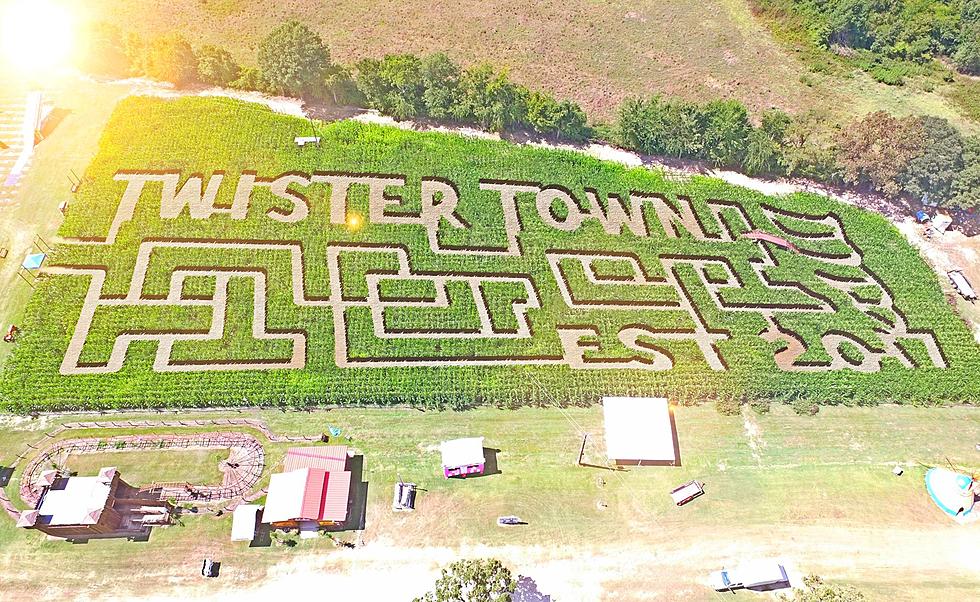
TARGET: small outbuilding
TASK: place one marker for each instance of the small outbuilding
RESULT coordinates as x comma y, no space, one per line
244,521
462,457
640,431
307,494
314,489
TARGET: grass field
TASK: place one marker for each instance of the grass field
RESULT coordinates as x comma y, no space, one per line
71,145
850,318
596,53
779,485
198,467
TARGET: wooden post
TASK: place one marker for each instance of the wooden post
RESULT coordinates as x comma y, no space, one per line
581,452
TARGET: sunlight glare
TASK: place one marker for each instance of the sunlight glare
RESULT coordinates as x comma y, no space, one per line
36,35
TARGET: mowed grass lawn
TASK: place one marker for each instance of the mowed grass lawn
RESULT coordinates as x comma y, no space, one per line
596,53
195,466
769,479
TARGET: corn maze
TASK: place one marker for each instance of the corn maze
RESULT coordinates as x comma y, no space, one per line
220,264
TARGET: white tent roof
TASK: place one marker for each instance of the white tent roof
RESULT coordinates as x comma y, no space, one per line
638,428
243,522
77,502
285,499
462,452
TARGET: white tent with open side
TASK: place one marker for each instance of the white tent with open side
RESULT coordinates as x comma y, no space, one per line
640,431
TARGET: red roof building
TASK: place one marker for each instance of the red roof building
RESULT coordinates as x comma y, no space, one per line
328,457
314,487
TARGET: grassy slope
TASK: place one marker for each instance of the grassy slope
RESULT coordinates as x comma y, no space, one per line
205,135
71,145
816,481
596,53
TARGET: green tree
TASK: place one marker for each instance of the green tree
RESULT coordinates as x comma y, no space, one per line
485,580
808,147
105,54
726,131
877,149
966,186
941,160
339,83
393,85
216,66
765,144
490,99
293,58
815,590
170,58
440,78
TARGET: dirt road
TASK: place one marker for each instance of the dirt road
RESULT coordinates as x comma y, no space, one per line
672,567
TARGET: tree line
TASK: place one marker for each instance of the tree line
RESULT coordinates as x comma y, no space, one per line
915,30
891,155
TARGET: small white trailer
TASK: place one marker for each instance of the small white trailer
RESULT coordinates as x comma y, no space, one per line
759,573
962,285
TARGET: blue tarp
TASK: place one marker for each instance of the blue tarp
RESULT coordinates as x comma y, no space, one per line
33,261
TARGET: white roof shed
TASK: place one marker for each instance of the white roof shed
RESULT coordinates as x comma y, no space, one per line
244,521
462,452
639,430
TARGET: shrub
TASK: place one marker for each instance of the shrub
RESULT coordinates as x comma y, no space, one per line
250,78
805,407
216,66
292,59
440,78
393,85
105,53
170,58
877,150
728,406
726,131
935,169
761,406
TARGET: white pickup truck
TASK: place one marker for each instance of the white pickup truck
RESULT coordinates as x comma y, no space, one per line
752,574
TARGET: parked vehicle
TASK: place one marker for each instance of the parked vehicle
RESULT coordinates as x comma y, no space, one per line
687,492
753,574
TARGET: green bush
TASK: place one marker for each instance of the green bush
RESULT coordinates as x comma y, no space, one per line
805,407
728,406
170,58
216,66
292,59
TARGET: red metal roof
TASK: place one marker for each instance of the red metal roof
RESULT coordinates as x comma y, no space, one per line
336,492
325,495
325,457
313,494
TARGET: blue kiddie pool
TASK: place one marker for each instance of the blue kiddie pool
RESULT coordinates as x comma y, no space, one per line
951,491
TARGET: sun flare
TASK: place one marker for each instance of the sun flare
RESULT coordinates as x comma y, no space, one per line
36,36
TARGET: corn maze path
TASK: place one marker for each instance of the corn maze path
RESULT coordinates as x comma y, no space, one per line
890,325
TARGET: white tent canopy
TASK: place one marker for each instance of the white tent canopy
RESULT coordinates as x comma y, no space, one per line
243,522
462,452
639,430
